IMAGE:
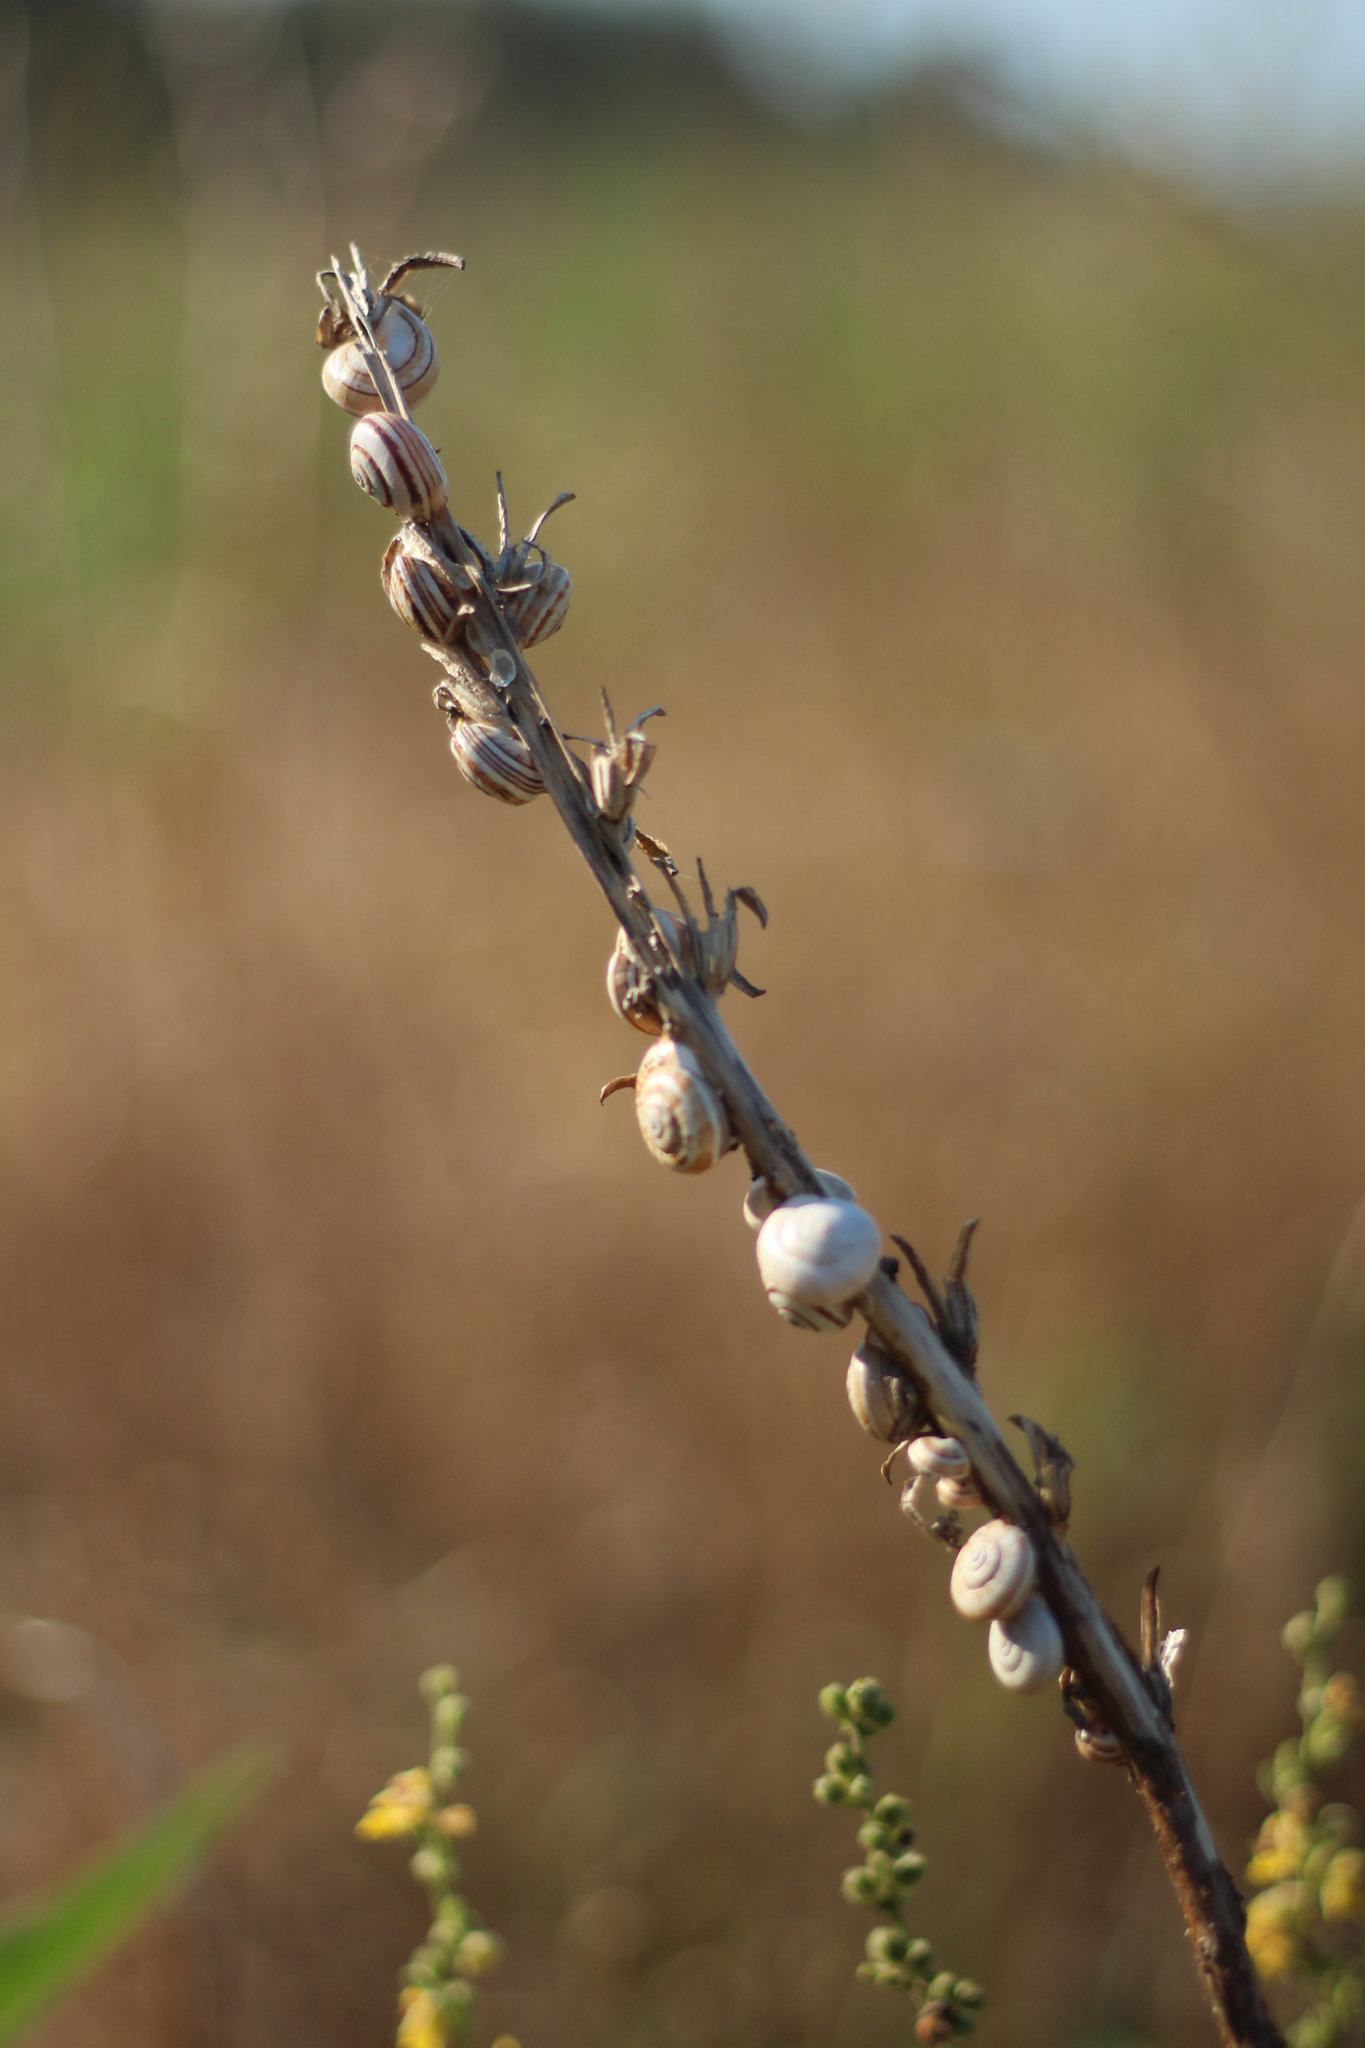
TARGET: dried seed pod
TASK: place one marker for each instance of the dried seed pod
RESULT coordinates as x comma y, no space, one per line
542,607
407,346
496,759
880,1395
940,1457
394,461
1025,1649
682,1120
760,1201
957,1494
423,588
815,1256
993,1573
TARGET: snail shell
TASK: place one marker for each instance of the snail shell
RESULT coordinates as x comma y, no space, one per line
420,587
394,461
993,1573
879,1394
629,988
957,1493
940,1457
1025,1649
534,614
682,1120
1099,1745
814,1256
496,759
409,350
760,1201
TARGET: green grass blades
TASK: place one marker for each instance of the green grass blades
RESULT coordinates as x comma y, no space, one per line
46,1946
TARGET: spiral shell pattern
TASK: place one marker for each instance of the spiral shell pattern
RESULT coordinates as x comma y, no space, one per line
408,348
879,1394
940,1457
993,1573
815,1256
760,1201
394,462
496,759
420,589
535,613
957,1494
682,1120
1025,1649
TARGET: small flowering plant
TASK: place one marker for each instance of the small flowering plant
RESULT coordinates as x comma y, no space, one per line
437,2000
1307,1872
945,2005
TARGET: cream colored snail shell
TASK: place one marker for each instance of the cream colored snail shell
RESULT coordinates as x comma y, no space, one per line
629,989
682,1120
496,759
536,613
760,1201
420,589
940,1457
879,1394
957,1493
815,1255
1025,1649
407,346
993,1573
394,462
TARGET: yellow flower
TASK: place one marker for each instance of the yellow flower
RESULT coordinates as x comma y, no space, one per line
405,1802
457,1822
1272,1928
422,2025
1281,1846
1343,1888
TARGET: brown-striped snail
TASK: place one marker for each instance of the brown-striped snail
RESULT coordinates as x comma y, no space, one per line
682,1120
957,1494
1025,1649
993,1573
880,1395
534,591
395,463
399,330
815,1257
429,592
630,987
492,754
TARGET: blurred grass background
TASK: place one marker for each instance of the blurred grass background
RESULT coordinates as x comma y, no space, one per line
988,522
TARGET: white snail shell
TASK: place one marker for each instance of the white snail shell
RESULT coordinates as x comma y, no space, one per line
682,1120
940,1457
815,1256
957,1493
394,461
536,613
760,1201
879,1394
1025,1649
408,348
993,1573
496,759
420,588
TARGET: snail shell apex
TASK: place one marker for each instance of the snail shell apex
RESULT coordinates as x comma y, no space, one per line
682,1120
815,1255
1025,1649
496,759
395,463
993,1573
409,350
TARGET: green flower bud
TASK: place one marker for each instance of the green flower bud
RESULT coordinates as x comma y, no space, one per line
430,1866
887,1945
457,2003
1334,1604
448,1716
834,1702
968,1995
860,1886
1287,1771
478,1953
888,1975
830,1791
436,1683
868,1707
909,1869
448,1765
1297,1635
843,1759
451,1922
872,1835
942,1987
425,1967
892,1809
860,1791
920,1956
1327,1742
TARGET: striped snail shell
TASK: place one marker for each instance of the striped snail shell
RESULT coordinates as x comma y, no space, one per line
394,461
405,341
420,586
957,1493
815,1255
496,759
880,1395
537,612
1025,1649
760,1201
630,990
993,1573
940,1457
682,1120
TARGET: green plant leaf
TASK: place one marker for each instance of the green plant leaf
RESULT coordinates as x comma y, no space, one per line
46,1945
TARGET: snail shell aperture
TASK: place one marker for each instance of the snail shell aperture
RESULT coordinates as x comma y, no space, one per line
394,461
682,1120
815,1256
1025,1649
407,346
993,1573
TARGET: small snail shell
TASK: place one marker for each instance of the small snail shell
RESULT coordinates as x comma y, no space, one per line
760,1201
682,1120
1025,1649
496,759
957,1493
420,588
394,461
1099,1746
993,1573
629,989
879,1394
534,614
940,1457
815,1255
409,350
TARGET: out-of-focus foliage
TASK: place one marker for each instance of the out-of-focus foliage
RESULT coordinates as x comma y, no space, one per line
987,523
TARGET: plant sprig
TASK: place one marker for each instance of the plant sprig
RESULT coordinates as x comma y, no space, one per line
896,1959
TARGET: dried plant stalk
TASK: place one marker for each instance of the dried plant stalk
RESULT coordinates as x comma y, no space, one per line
1122,1704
